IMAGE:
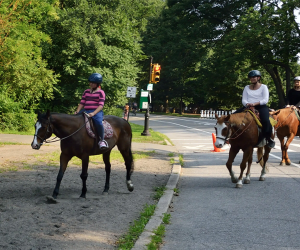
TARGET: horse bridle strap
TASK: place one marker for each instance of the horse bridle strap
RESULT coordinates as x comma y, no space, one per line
60,139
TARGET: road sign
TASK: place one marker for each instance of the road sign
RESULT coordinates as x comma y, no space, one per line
144,99
131,92
150,86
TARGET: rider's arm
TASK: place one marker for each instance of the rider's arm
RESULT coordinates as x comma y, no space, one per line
265,95
97,110
80,106
245,97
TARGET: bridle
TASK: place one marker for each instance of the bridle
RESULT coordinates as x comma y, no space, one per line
55,138
229,136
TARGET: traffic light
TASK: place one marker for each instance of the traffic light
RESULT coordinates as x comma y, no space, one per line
156,72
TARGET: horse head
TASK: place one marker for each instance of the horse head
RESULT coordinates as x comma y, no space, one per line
275,114
222,128
43,130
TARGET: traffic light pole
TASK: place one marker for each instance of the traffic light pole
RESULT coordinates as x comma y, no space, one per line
147,114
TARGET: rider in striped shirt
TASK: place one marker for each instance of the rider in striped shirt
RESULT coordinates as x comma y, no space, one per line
93,101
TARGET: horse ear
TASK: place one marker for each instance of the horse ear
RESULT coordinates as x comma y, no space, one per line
216,115
227,118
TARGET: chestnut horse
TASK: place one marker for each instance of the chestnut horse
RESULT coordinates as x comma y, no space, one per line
75,141
287,126
241,131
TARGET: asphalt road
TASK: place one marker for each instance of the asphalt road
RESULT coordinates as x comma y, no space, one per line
210,213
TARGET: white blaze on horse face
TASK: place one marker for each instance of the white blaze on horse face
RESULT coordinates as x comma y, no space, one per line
220,139
38,125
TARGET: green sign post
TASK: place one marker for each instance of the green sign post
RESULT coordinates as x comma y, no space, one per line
144,99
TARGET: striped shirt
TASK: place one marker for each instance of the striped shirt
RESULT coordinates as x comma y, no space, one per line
92,100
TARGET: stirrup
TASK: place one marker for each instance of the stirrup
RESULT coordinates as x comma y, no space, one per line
103,146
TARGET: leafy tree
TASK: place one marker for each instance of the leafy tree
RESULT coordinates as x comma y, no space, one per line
99,36
23,73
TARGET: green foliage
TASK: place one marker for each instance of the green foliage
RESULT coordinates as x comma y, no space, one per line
128,240
23,73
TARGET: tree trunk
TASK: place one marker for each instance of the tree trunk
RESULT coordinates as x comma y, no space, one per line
278,84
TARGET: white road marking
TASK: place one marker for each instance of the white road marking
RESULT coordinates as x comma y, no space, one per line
294,164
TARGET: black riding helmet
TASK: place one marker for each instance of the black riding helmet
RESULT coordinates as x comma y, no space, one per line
254,73
95,78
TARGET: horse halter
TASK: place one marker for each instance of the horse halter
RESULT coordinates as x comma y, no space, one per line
48,126
226,138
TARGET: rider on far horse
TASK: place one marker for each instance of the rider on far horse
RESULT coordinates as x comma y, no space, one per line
293,96
257,95
93,101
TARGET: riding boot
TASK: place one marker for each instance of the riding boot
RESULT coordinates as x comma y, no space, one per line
271,143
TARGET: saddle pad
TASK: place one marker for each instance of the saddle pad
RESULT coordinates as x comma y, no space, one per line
272,120
108,131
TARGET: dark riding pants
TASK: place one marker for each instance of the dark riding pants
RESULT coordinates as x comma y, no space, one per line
264,119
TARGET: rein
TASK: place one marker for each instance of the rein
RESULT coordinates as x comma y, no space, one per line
284,120
60,139
240,129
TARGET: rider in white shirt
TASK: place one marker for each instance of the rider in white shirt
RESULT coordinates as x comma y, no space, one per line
257,95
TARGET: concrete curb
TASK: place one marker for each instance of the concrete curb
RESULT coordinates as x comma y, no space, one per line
161,208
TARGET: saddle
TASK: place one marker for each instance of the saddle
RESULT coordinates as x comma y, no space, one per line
108,131
255,115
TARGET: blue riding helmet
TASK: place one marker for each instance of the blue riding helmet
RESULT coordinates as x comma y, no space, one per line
297,78
253,73
95,78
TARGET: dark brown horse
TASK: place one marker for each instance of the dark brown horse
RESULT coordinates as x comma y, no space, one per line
76,142
241,131
287,126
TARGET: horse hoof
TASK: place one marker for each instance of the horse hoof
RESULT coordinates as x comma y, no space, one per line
246,181
52,200
105,193
288,163
282,163
129,186
261,178
239,185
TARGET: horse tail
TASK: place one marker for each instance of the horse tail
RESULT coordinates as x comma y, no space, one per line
260,154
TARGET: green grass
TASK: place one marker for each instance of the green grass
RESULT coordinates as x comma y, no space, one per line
159,192
127,241
177,114
159,233
155,137
181,160
11,143
31,131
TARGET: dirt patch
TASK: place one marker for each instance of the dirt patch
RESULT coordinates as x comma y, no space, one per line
27,221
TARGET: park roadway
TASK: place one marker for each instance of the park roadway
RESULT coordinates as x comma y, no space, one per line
210,213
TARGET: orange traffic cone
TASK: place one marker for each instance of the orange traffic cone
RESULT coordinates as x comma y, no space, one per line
215,148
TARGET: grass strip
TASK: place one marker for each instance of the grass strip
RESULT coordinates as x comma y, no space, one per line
159,233
127,241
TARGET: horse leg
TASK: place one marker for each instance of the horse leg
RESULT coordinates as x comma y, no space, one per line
64,159
264,167
128,158
286,146
247,154
232,154
84,175
106,159
283,149
247,178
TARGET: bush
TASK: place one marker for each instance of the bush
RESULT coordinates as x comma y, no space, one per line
19,121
